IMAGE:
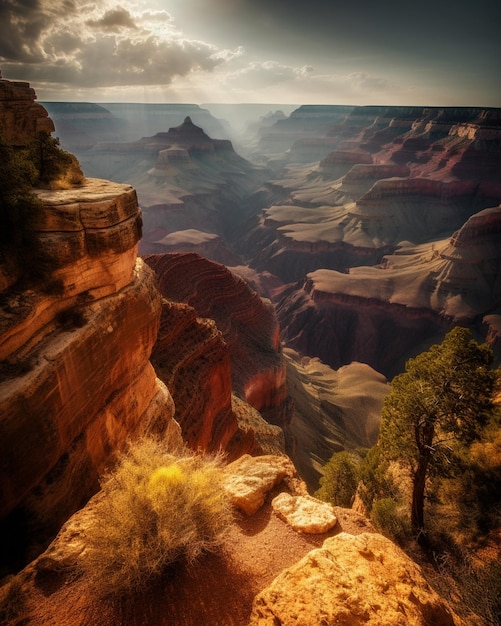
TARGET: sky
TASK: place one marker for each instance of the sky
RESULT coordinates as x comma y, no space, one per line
359,52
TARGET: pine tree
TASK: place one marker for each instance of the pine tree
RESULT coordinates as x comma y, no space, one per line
443,398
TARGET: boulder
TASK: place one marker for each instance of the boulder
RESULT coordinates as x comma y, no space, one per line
304,513
249,479
352,580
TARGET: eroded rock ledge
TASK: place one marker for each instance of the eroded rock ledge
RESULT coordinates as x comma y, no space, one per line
76,378
246,321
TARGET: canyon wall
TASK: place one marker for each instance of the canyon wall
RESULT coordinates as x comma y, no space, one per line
382,229
76,382
247,324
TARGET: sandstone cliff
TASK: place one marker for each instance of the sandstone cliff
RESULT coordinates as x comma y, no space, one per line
246,321
76,382
385,187
425,288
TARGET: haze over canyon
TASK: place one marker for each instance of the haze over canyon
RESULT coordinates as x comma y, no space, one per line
240,278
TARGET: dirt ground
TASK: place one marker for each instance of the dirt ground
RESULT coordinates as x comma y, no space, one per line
217,590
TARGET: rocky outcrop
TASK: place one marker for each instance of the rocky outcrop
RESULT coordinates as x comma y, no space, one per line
304,513
246,321
76,379
191,358
425,288
21,117
249,479
352,580
82,126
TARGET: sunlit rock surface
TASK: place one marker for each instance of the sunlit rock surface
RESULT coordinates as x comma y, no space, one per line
333,410
76,382
416,294
249,479
363,579
304,513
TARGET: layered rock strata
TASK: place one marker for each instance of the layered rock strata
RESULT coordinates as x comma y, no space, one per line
246,321
424,289
21,117
187,183
76,381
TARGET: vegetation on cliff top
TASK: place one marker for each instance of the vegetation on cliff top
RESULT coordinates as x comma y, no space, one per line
435,474
41,164
156,508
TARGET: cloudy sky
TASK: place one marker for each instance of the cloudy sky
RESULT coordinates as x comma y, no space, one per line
431,52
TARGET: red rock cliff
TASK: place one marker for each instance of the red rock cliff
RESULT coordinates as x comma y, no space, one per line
246,321
76,382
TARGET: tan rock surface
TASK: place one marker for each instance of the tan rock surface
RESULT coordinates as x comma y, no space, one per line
216,591
21,116
304,514
249,479
352,580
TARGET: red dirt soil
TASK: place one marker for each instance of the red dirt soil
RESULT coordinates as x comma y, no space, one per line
217,590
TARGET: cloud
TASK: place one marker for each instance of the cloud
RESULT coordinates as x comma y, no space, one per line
113,20
362,81
267,73
96,46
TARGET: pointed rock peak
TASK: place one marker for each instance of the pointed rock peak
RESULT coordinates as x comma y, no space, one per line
188,133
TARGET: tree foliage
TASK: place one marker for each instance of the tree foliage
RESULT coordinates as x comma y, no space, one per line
17,200
441,402
340,479
53,164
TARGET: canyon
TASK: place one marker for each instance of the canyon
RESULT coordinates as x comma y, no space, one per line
412,194
252,306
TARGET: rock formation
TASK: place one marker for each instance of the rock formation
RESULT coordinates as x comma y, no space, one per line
21,117
425,288
267,573
352,580
304,513
246,321
187,184
249,479
76,378
387,199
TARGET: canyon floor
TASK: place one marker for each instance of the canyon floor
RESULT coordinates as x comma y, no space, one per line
217,590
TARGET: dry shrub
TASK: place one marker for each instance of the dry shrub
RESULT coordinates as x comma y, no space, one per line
156,508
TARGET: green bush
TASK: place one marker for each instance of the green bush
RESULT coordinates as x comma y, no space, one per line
376,482
156,509
340,479
390,518
55,167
